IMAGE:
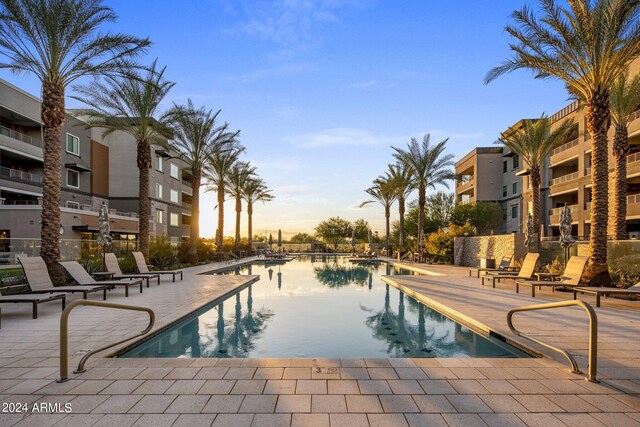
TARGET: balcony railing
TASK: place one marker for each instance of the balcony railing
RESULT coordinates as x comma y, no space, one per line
20,136
633,198
635,157
565,111
564,178
587,171
634,115
587,206
17,175
557,211
90,208
565,147
186,205
464,181
20,202
466,201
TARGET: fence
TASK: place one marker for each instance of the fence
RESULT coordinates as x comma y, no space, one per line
70,249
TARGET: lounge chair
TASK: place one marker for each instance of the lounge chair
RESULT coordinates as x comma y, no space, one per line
35,270
111,262
570,278
526,271
80,275
505,265
598,292
33,299
144,269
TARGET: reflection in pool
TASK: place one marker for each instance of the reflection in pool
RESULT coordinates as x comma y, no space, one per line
315,307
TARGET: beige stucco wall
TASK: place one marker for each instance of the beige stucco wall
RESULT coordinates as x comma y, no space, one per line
468,250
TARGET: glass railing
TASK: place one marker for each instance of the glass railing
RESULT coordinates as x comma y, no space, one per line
635,157
633,198
17,175
464,181
91,208
20,136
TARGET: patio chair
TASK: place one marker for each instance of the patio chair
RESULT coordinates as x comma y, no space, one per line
505,265
144,269
526,271
111,262
598,292
570,278
80,275
33,299
35,270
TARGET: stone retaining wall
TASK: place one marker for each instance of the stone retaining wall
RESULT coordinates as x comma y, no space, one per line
468,250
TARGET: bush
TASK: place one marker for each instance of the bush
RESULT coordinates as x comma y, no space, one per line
206,251
625,271
127,263
92,259
162,254
439,245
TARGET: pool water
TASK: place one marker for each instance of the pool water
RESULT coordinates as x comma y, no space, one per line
318,306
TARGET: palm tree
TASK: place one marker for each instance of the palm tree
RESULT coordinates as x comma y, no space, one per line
195,134
221,162
400,180
384,192
533,143
131,105
587,46
58,41
428,167
238,176
625,98
254,190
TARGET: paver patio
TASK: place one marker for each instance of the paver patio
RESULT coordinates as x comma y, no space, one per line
367,392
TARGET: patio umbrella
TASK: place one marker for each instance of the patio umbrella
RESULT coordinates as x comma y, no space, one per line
270,241
279,279
353,240
279,238
370,241
104,239
270,271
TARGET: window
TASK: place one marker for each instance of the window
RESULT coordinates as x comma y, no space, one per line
174,171
504,167
504,191
515,188
159,216
159,164
516,162
73,205
159,191
73,178
514,211
73,144
173,196
174,220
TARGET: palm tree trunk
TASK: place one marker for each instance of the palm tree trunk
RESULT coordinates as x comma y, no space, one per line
194,232
238,211
387,214
401,228
598,121
250,224
535,198
220,230
422,198
144,163
53,116
620,152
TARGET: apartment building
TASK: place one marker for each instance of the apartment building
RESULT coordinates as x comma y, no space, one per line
566,175
491,174
93,170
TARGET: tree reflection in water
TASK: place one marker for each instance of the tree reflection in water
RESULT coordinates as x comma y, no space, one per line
336,275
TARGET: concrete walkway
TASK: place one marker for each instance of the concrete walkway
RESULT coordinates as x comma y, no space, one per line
320,392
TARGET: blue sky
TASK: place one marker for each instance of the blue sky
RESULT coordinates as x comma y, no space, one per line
321,89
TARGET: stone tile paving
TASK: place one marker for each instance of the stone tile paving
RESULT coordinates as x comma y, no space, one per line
295,392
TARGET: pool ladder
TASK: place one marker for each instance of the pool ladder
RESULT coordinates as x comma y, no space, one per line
64,336
592,368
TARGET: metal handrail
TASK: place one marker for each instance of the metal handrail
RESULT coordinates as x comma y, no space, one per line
593,335
64,338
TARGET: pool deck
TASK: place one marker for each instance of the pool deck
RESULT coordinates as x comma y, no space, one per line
323,392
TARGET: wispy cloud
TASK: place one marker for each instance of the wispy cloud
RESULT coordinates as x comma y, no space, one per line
371,84
278,71
343,137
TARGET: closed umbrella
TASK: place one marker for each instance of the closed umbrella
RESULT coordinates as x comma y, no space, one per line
270,241
104,239
279,238
353,241
370,241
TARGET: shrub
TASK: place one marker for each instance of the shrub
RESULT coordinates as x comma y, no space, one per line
439,245
162,254
625,271
92,259
127,263
206,250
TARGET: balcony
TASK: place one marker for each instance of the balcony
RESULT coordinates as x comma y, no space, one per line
114,212
465,184
20,176
565,147
187,205
565,151
554,214
20,136
186,187
563,179
633,205
467,201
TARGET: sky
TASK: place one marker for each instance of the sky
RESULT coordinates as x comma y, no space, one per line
322,89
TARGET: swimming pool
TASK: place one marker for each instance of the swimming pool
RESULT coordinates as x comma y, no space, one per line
320,307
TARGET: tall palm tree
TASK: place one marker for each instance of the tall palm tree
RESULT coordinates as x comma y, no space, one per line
428,166
254,190
400,179
59,41
131,105
587,46
195,134
221,162
625,99
533,143
384,193
238,176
